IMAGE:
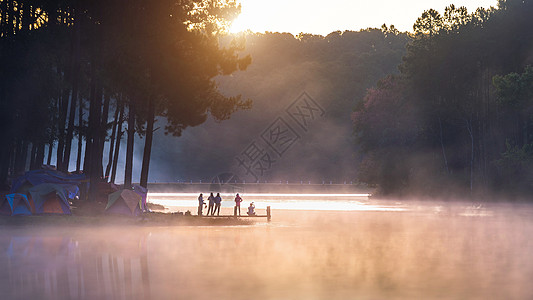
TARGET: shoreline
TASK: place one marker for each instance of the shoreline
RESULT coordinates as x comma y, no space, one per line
103,220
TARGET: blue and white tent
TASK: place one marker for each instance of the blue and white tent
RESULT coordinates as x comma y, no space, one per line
15,205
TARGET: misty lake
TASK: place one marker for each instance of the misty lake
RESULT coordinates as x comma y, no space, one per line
315,247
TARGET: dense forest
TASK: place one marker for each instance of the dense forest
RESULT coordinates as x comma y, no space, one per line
457,119
84,68
87,85
68,88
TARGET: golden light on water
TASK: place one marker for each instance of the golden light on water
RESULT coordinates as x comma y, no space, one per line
265,195
301,202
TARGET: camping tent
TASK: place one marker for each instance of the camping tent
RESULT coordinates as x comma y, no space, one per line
124,202
15,204
49,198
32,178
143,192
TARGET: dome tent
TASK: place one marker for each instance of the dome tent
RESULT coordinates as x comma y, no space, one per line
36,177
124,202
15,205
49,198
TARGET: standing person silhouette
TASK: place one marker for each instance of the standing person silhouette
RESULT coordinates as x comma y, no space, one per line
238,201
211,199
218,200
200,204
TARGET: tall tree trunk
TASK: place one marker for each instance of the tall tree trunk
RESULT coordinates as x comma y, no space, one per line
50,149
95,164
87,153
21,157
70,130
32,156
92,123
117,145
74,99
115,157
39,157
129,148
102,134
80,134
4,164
63,109
17,149
13,154
112,141
148,143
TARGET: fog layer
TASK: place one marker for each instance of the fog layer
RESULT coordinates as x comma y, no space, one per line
430,251
333,71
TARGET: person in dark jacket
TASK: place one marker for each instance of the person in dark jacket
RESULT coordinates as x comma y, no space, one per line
211,199
238,201
218,201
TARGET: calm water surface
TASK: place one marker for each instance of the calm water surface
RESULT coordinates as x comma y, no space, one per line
316,247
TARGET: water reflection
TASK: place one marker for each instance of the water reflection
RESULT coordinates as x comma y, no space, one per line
427,251
79,264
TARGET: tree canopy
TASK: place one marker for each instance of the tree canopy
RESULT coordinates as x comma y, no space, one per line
67,60
468,76
335,70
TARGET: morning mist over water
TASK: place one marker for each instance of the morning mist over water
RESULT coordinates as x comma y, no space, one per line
372,163
435,249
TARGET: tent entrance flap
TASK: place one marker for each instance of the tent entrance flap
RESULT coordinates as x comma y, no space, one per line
52,204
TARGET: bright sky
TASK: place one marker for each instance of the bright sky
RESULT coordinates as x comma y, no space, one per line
323,17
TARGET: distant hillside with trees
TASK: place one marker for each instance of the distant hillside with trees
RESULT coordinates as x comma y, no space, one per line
458,117
102,87
334,70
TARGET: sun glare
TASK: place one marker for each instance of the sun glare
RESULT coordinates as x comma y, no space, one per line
239,24
256,16
312,16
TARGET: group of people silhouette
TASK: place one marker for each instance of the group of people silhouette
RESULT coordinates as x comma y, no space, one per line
214,203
